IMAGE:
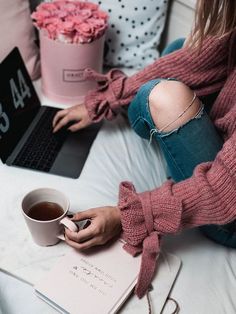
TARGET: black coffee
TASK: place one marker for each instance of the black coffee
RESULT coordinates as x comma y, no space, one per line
45,211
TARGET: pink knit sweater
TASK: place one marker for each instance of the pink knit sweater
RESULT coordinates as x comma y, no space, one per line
209,196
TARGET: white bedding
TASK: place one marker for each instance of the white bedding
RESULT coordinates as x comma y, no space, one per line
206,282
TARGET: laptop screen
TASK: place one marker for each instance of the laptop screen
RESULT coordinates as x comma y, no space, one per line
19,102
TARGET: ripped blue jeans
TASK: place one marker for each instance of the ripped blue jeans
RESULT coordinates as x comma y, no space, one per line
184,148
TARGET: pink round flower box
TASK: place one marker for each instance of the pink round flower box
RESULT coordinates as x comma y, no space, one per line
62,66
71,40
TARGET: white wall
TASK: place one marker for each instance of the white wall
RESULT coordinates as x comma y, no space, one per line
180,19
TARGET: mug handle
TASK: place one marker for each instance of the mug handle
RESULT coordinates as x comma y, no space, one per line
66,222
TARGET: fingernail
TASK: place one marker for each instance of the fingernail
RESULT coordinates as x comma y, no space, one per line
88,222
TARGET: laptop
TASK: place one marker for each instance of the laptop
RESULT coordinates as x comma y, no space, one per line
26,138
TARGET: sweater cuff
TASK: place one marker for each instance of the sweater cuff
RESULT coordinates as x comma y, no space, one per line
143,224
104,102
132,218
137,211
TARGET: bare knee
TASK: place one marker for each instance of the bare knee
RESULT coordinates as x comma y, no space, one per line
168,103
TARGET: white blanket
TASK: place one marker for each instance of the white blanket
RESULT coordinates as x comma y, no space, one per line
206,283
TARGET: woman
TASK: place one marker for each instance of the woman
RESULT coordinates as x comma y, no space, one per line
199,149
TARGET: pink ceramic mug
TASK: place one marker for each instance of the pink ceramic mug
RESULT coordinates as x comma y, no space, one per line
45,227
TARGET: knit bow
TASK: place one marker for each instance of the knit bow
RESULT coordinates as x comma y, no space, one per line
151,247
143,224
106,100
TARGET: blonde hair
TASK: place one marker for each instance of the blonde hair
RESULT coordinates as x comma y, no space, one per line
212,18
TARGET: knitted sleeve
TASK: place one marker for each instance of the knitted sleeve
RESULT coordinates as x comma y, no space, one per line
208,197
203,71
223,112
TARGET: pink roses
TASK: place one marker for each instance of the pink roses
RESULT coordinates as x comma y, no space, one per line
71,21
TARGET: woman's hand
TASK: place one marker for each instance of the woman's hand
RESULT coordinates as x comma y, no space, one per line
105,224
77,114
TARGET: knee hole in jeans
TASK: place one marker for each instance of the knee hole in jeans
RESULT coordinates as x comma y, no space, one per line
172,104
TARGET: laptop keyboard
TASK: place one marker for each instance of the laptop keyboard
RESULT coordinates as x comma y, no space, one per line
42,146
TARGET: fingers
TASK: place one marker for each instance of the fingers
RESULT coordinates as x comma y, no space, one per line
77,126
87,237
84,239
104,225
80,236
83,246
58,116
87,214
61,123
63,117
77,114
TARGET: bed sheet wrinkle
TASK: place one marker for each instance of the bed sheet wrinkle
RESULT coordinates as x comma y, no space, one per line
207,280
109,162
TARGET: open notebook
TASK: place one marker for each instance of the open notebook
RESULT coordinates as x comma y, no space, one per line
98,281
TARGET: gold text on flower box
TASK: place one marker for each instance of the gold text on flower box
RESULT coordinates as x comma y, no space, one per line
73,76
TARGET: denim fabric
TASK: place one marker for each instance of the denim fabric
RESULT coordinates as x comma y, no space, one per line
173,46
184,148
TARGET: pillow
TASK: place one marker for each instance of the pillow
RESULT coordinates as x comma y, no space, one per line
135,28
16,29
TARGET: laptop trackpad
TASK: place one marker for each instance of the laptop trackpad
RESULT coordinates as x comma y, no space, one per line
67,166
72,156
